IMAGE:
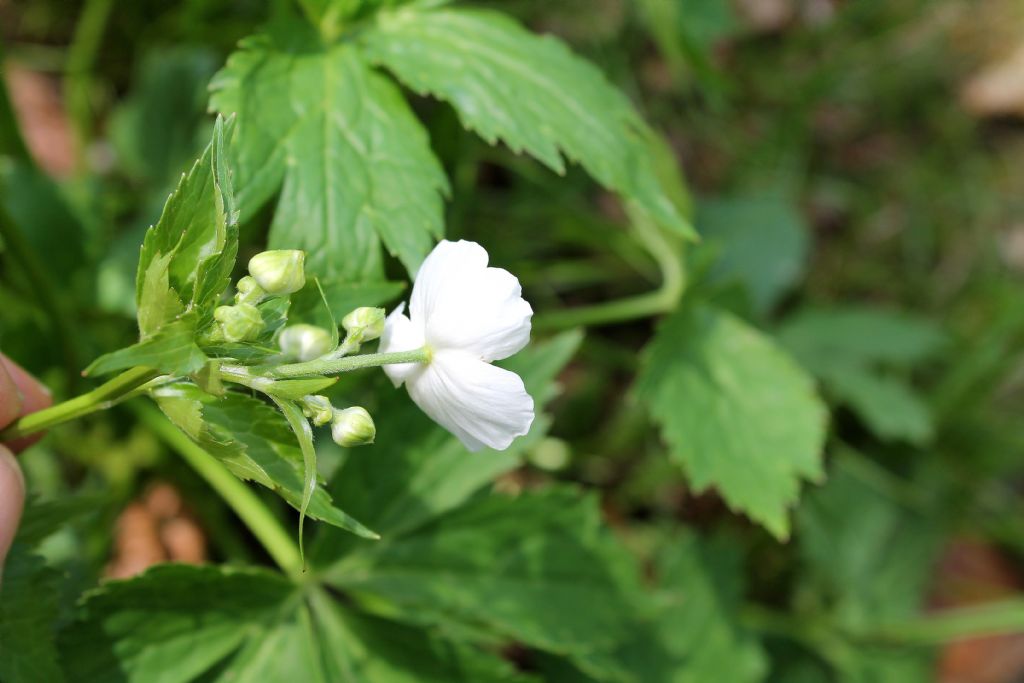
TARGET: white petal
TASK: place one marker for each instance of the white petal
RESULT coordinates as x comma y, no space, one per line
448,263
465,305
480,404
401,334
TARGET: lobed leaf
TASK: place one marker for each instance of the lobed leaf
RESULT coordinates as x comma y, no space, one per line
353,164
737,412
256,444
179,623
184,266
171,349
527,568
187,257
700,594
28,613
529,91
862,355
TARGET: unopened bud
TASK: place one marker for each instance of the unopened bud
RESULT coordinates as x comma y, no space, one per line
305,342
279,272
318,408
239,322
365,323
353,427
249,291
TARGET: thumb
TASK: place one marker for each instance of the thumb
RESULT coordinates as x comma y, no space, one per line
12,497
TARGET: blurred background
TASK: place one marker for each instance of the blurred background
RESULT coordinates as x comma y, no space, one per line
856,172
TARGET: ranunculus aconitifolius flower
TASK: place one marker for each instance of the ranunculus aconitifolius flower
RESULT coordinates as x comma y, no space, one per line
466,315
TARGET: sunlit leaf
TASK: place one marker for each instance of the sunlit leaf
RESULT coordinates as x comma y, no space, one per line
738,414
352,163
529,91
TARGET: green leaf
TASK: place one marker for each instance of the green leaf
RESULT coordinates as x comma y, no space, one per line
861,335
184,267
761,242
887,405
304,435
353,163
701,592
168,95
690,633
360,648
847,531
255,442
531,92
737,412
172,349
28,614
178,623
416,470
536,569
38,208
859,354
188,255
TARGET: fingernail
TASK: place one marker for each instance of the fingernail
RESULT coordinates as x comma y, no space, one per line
12,498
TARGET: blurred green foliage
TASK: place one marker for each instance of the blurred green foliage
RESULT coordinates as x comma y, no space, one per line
851,212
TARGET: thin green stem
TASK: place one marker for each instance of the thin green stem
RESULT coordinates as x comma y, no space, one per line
23,256
267,529
102,397
812,633
78,70
336,366
995,618
661,300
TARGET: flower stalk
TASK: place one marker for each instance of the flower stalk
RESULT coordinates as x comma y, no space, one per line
334,366
133,382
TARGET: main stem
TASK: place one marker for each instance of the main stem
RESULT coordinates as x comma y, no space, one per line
100,398
125,385
250,509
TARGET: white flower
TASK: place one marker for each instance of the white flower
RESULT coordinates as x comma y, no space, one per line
466,315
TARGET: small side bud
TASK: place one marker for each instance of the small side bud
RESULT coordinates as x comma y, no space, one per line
305,342
239,322
279,272
249,291
365,323
318,409
353,427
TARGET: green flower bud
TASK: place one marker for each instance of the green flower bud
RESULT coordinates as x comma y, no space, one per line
353,427
318,408
365,323
279,272
249,291
239,322
305,342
